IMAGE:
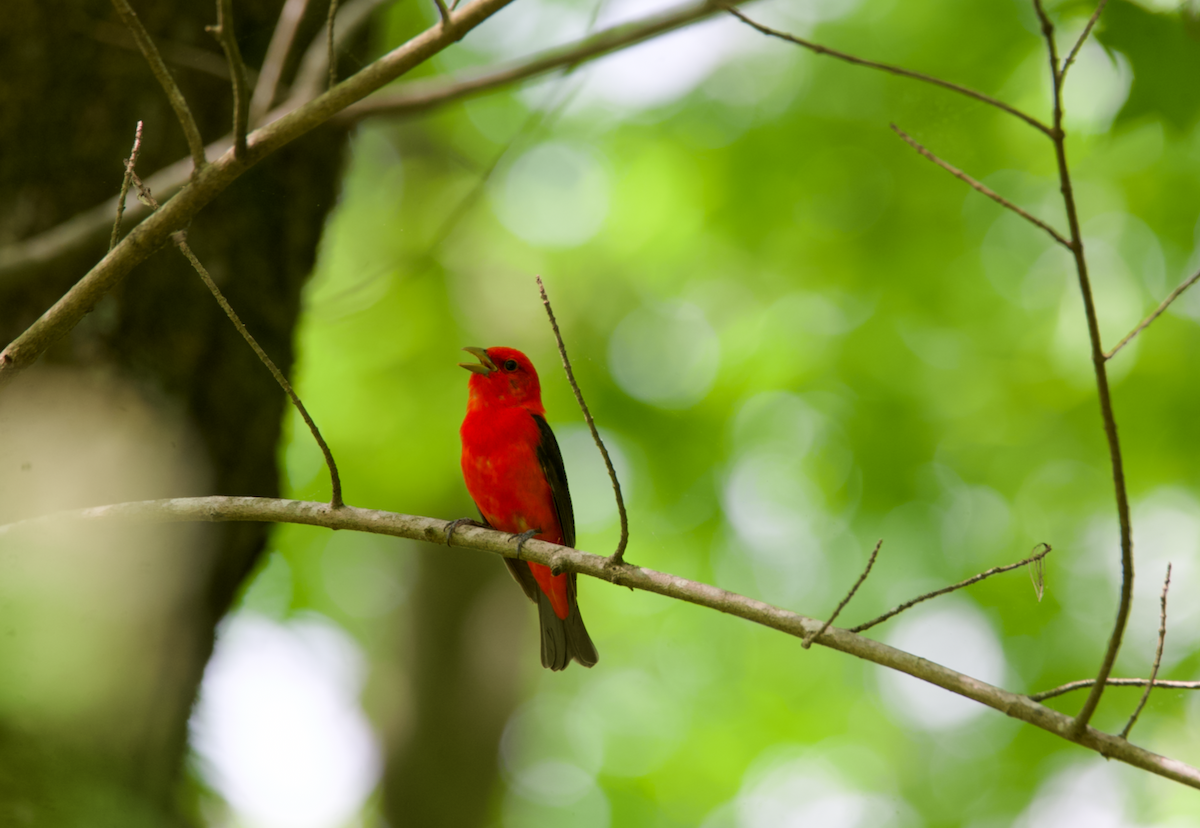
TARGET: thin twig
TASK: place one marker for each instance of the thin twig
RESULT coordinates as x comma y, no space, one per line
1114,682
813,636
273,510
267,88
1083,37
618,556
974,579
225,35
335,500
125,181
895,70
178,102
1145,323
1102,389
312,76
444,12
1162,637
330,49
983,188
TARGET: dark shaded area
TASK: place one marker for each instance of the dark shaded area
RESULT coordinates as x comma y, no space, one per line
70,102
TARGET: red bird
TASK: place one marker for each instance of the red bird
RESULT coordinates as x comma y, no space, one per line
514,473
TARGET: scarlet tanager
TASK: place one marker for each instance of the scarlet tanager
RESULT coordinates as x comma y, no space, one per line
514,473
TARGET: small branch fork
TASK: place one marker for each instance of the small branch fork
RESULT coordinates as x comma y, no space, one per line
1162,637
813,636
565,559
1114,682
983,188
618,557
126,180
1043,551
1087,30
159,68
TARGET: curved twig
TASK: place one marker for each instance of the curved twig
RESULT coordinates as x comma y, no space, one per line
1162,638
1145,323
618,556
895,70
225,35
813,636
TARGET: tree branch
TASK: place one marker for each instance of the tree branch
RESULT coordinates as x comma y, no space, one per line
225,35
1145,323
1162,637
178,102
618,557
27,257
330,47
561,558
811,637
1098,364
974,579
155,231
983,188
895,70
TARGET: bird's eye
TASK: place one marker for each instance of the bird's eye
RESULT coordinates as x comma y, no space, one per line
510,365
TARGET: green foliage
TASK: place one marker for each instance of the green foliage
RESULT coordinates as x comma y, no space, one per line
798,337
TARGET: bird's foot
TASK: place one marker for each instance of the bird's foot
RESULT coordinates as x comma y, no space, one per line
521,538
461,522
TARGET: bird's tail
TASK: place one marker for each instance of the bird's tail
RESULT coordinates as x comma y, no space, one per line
567,638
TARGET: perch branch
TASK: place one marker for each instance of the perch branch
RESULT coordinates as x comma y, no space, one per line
618,556
330,46
1162,638
1145,323
895,70
219,509
811,637
974,579
163,74
983,188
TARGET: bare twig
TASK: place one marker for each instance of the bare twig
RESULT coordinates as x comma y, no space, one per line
330,49
895,70
225,35
974,579
267,88
1082,38
1102,389
125,181
983,188
1162,637
335,500
312,77
263,509
178,103
1145,323
618,556
1114,682
813,636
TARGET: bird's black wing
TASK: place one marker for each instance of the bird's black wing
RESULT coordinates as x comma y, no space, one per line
551,461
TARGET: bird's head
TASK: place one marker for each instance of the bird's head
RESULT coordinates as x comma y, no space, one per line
503,377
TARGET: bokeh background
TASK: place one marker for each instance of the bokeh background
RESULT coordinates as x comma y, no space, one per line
797,337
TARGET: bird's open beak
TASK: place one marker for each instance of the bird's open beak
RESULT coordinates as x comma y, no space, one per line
485,368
